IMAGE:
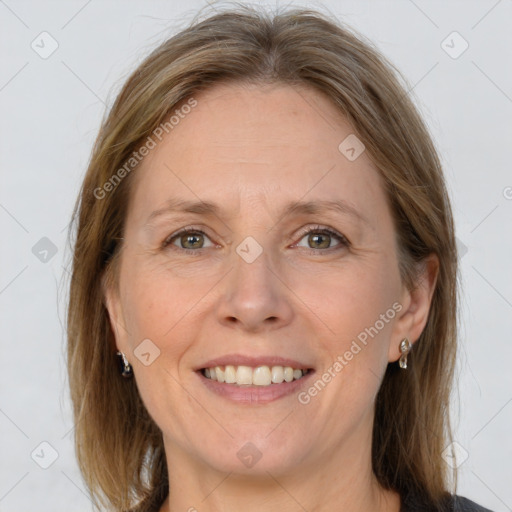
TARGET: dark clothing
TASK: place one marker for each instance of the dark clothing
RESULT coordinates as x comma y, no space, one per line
453,504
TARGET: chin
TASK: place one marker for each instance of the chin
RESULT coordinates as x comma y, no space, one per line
255,452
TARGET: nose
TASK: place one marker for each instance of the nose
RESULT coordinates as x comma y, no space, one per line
255,296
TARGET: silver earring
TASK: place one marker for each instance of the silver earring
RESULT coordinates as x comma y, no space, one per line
405,348
126,367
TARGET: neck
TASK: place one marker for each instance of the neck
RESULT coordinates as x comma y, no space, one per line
340,479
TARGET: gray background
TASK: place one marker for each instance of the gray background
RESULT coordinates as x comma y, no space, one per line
51,109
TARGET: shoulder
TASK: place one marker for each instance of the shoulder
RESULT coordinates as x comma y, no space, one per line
461,504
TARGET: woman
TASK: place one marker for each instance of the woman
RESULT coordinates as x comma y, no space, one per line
263,306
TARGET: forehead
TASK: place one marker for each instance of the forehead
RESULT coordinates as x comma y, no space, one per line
252,143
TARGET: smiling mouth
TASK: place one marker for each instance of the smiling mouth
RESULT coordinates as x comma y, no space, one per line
254,376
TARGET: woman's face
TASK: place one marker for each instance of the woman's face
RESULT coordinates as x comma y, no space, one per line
250,288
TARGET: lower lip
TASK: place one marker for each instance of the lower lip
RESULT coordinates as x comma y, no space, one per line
255,394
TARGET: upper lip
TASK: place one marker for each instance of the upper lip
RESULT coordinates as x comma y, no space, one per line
253,361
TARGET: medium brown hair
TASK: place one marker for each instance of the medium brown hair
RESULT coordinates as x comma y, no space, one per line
119,447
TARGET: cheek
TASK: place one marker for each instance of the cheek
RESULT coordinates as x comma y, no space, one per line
359,308
357,300
159,309
158,304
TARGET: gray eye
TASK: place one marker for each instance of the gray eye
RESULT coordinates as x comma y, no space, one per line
321,239
188,240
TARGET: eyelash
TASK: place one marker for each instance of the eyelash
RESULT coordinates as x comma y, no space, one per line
344,242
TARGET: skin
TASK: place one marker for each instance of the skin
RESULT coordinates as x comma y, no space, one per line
251,149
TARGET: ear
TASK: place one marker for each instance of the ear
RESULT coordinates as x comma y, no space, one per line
416,306
112,301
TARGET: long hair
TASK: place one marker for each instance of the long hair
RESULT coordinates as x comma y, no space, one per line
119,447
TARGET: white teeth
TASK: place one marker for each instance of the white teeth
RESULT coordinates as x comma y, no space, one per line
230,374
244,375
277,374
219,373
259,376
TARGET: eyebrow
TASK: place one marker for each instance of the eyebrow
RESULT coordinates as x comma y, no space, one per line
208,208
